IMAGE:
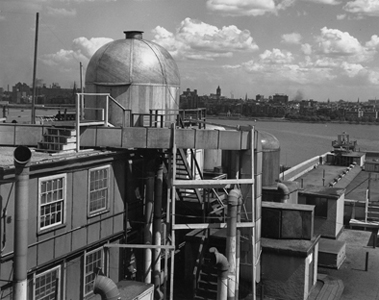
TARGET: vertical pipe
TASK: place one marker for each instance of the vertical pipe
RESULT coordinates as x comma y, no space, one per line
173,174
157,230
22,157
231,240
222,265
33,116
253,217
149,222
77,123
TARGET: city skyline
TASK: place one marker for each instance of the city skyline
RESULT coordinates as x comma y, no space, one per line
319,49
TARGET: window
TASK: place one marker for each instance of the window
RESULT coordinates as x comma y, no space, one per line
93,262
52,195
47,285
98,190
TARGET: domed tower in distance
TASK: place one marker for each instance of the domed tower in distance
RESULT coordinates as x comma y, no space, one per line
139,74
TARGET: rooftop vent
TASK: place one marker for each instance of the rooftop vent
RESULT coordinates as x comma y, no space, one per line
133,34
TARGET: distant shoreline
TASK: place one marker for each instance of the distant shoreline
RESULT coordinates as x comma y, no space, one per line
269,119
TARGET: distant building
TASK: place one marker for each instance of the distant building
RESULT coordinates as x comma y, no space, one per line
280,98
21,93
189,99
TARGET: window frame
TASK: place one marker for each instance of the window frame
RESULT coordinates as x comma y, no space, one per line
108,188
85,274
58,270
64,200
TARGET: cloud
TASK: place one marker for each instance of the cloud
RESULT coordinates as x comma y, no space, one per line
291,38
306,49
197,40
363,7
82,50
329,2
373,43
247,7
276,56
333,42
341,17
60,12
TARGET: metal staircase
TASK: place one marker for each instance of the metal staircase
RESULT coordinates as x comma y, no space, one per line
208,203
373,211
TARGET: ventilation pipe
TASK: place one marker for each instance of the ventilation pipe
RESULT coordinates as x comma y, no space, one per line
106,288
22,156
222,266
158,295
284,192
234,200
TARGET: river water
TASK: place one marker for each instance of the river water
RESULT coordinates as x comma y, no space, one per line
301,141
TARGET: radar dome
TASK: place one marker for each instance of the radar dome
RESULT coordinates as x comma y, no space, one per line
141,75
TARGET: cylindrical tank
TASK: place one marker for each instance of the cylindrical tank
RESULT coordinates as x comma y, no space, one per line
270,158
139,74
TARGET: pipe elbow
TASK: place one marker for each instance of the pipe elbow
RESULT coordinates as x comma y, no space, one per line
219,261
106,288
234,197
285,192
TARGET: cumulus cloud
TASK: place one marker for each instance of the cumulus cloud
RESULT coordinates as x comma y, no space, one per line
276,56
291,38
60,12
336,43
82,50
306,49
247,7
363,7
197,40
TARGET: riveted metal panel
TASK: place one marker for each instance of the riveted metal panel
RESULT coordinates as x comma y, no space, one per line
62,245
134,137
108,137
158,138
7,135
206,139
93,232
230,140
185,138
79,239
106,228
28,135
45,252
88,137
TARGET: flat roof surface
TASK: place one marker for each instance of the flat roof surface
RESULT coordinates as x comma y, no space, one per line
355,182
7,160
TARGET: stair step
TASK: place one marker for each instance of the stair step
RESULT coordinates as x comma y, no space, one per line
61,131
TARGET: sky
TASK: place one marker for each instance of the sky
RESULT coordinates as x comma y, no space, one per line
307,49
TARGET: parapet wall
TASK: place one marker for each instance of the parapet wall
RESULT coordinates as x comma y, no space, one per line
304,167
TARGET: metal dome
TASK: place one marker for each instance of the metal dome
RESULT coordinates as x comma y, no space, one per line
132,60
141,75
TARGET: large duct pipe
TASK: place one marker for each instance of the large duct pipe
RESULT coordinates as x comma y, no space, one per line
284,192
149,223
158,295
234,200
22,156
106,288
222,265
